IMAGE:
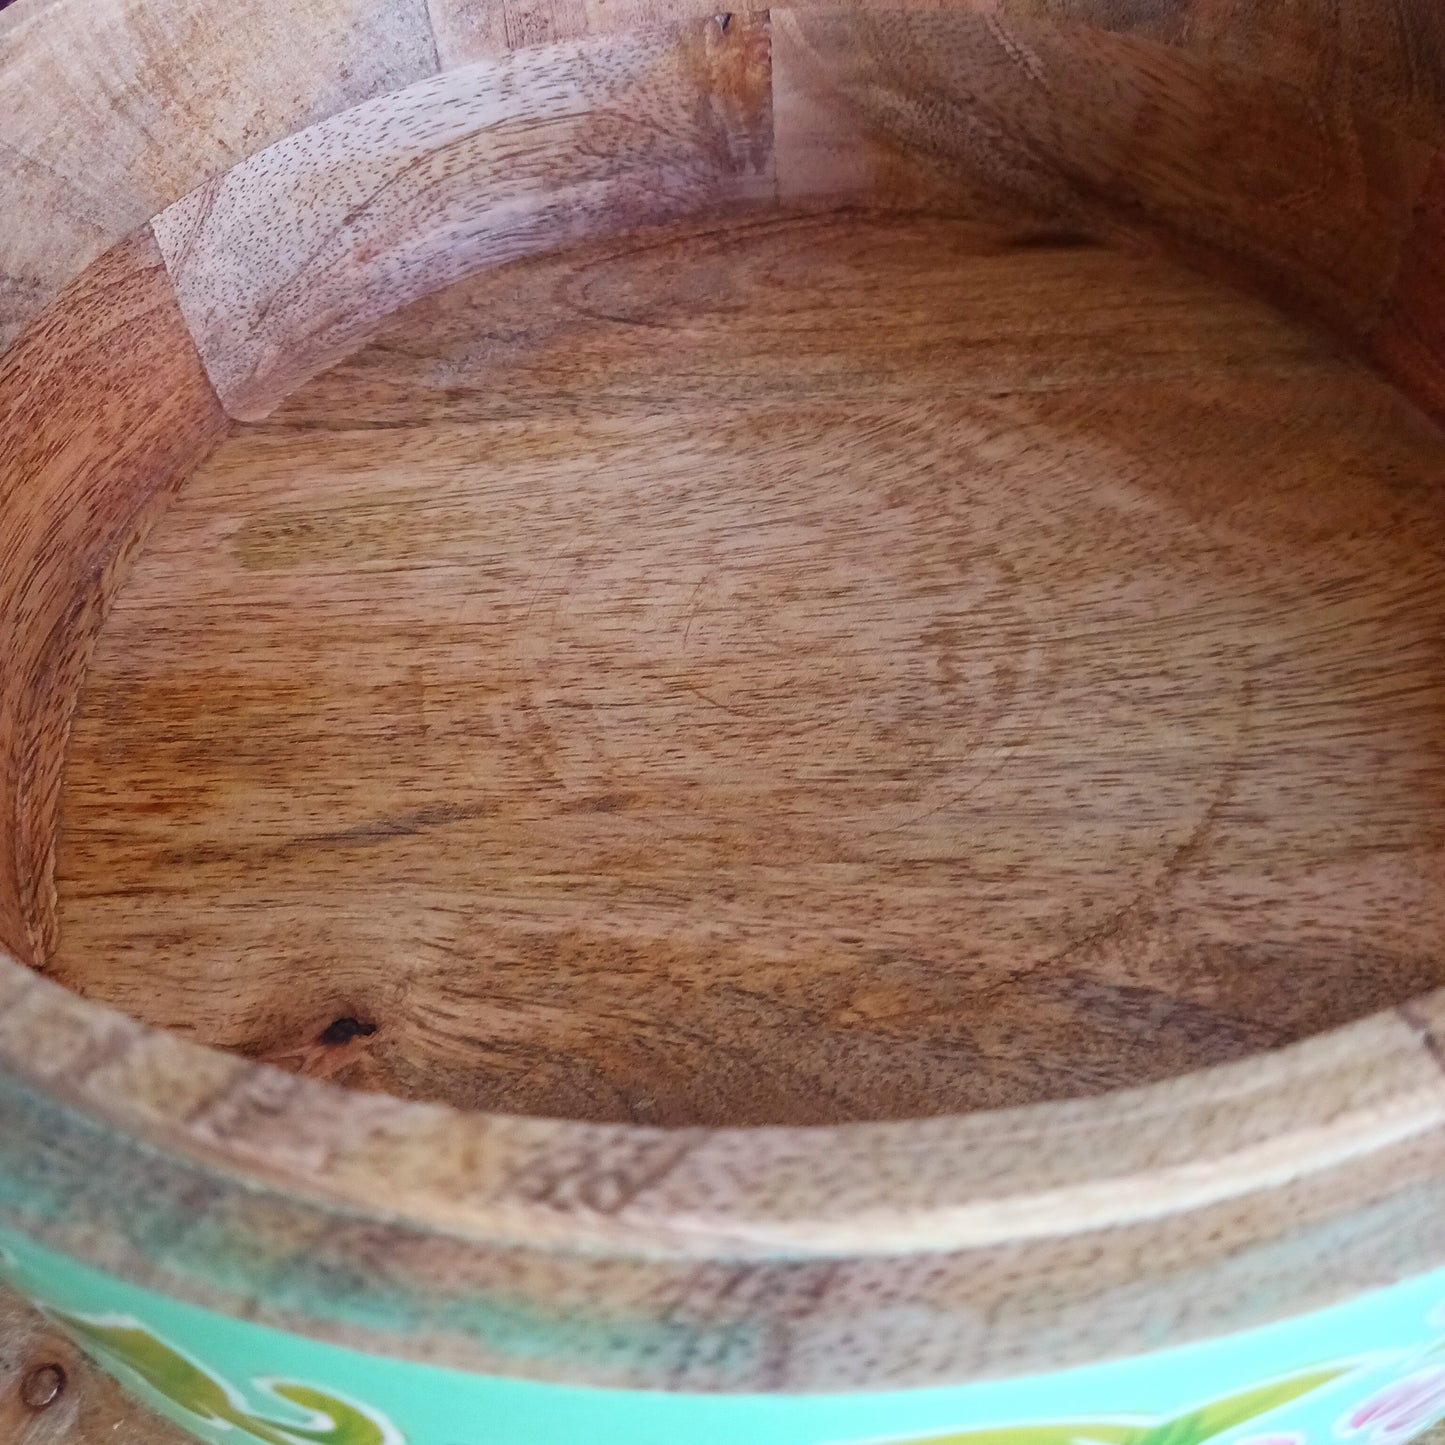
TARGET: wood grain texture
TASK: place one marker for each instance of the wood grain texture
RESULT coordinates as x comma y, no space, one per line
795,1259
803,671
1409,341
471,30
112,111
90,1409
1386,60
1233,139
808,670
103,407
1306,196
116,109
395,198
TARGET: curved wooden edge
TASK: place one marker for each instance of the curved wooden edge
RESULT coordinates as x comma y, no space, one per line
93,151
1017,120
104,409
862,1255
395,198
115,111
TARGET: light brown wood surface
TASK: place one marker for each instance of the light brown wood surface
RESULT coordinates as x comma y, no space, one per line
103,408
115,111
866,665
394,198
789,672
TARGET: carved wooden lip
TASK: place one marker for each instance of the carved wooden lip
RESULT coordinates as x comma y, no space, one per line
971,1181
1241,1175
782,1259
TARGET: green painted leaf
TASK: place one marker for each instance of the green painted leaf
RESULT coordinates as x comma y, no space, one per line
189,1387
1197,1426
1104,1432
1192,1428
160,1367
348,1425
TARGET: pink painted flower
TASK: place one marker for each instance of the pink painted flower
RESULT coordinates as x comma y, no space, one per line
1401,1410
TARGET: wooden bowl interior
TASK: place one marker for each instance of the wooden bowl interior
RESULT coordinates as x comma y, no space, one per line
773,568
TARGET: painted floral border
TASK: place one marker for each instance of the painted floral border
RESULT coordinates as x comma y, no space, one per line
275,1411
1390,1414
131,1351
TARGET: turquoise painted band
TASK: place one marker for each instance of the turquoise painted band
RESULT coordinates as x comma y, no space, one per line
1371,1371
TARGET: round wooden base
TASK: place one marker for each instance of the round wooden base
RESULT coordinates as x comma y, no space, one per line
793,671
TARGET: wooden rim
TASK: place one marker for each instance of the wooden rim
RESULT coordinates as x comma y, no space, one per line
778,1259
1311,1173
935,1186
